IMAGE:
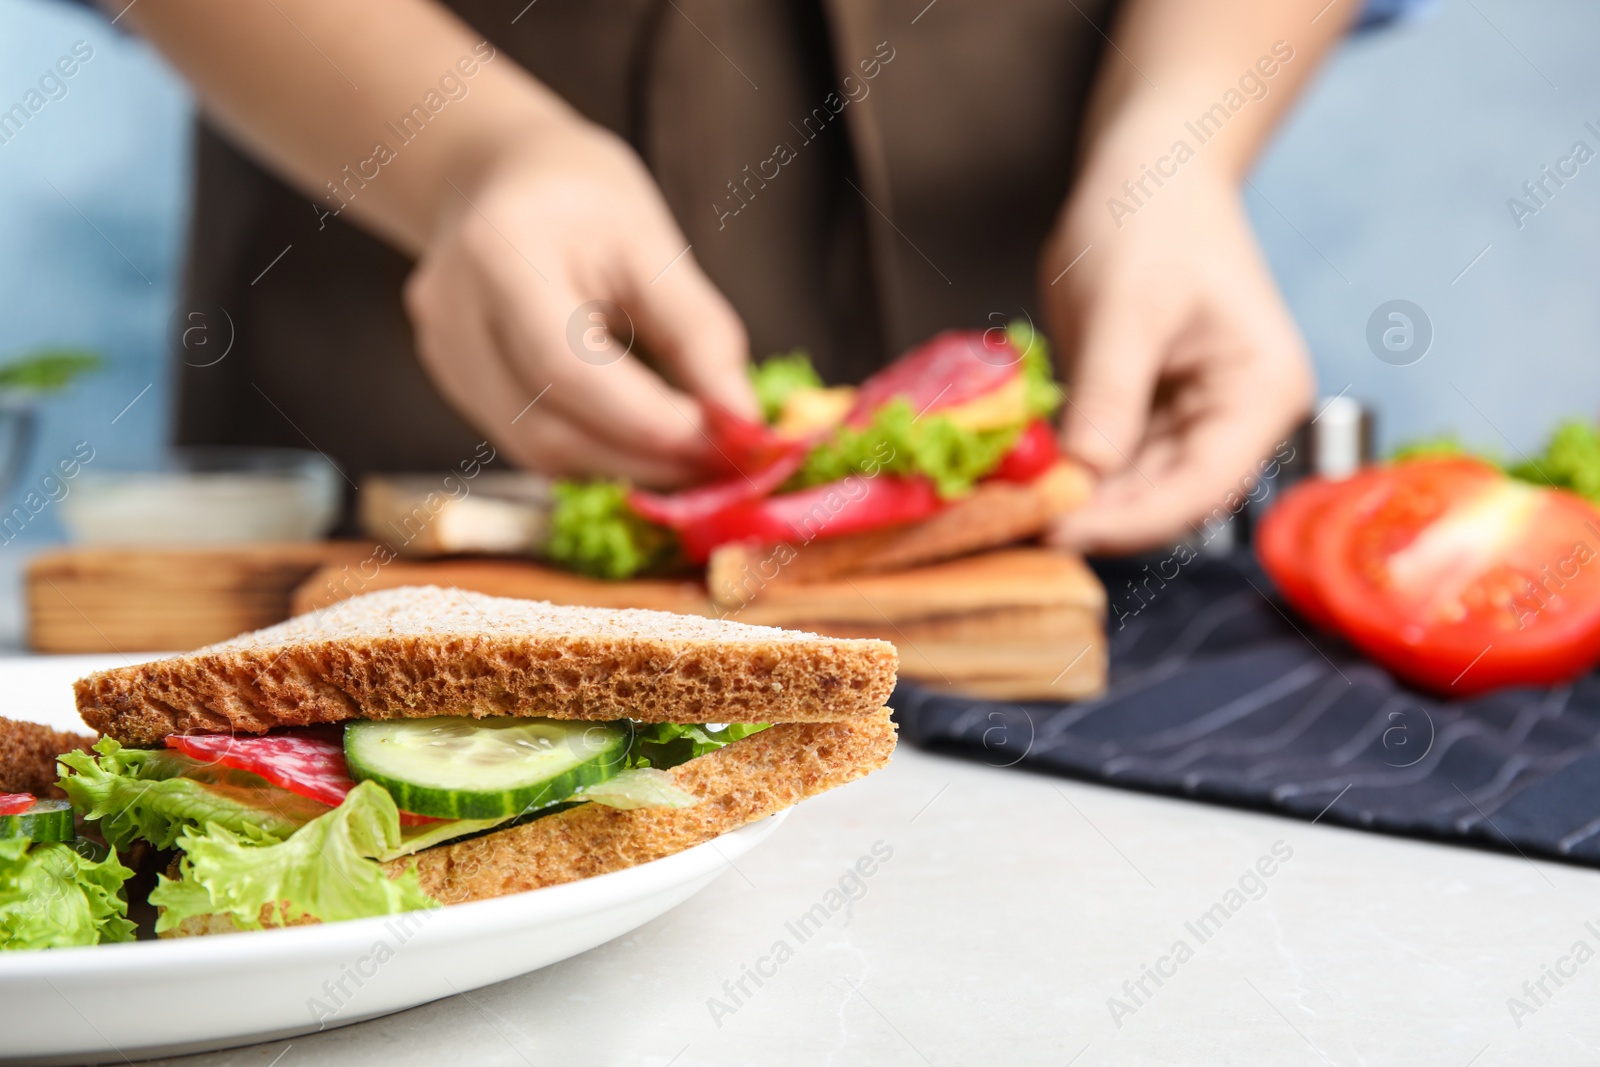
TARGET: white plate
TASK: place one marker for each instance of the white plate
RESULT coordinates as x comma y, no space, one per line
116,1002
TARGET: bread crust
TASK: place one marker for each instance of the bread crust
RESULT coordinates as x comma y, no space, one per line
421,651
748,780
28,754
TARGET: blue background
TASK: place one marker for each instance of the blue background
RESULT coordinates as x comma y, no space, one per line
1392,175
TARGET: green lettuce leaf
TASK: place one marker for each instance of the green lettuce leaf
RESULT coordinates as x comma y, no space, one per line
638,787
666,744
897,441
414,839
1043,395
326,869
154,795
1432,448
594,532
777,377
48,370
53,896
1571,460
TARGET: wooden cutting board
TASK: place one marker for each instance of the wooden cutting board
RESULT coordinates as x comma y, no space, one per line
1017,623
1022,623
139,599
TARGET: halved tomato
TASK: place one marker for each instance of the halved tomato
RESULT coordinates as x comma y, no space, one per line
1283,542
1457,578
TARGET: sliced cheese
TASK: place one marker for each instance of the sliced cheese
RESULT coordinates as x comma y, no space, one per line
994,410
809,411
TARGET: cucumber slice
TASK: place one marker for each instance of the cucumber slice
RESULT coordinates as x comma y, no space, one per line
460,768
47,820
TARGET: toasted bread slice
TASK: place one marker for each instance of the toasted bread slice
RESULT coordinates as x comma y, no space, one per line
420,651
503,511
748,780
28,754
996,513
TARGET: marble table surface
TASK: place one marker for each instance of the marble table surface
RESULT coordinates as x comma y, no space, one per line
967,914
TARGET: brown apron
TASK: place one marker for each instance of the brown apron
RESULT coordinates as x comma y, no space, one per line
848,214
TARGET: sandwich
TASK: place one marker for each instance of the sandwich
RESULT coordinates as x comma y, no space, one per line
947,451
425,746
56,889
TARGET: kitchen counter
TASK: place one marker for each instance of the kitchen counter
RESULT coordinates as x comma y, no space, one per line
966,914
1004,911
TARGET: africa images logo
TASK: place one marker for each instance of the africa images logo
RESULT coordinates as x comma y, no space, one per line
1399,332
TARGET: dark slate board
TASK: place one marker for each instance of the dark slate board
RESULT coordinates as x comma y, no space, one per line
1220,693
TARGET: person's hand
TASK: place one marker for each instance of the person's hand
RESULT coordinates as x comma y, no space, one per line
1182,363
515,303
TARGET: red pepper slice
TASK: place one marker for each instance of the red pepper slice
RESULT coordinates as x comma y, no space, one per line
850,505
676,510
747,446
307,762
16,803
950,368
1034,453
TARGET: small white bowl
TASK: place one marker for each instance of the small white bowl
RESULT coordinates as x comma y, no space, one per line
207,496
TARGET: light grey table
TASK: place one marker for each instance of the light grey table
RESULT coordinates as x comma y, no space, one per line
1017,919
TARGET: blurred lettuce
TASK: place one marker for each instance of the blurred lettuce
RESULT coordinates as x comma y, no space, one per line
897,442
1044,395
1442,446
48,370
954,458
778,377
594,532
1571,460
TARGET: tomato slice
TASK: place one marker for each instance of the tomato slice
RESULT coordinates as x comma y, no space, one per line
850,505
1283,541
1459,579
16,803
948,369
676,510
1034,453
308,762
